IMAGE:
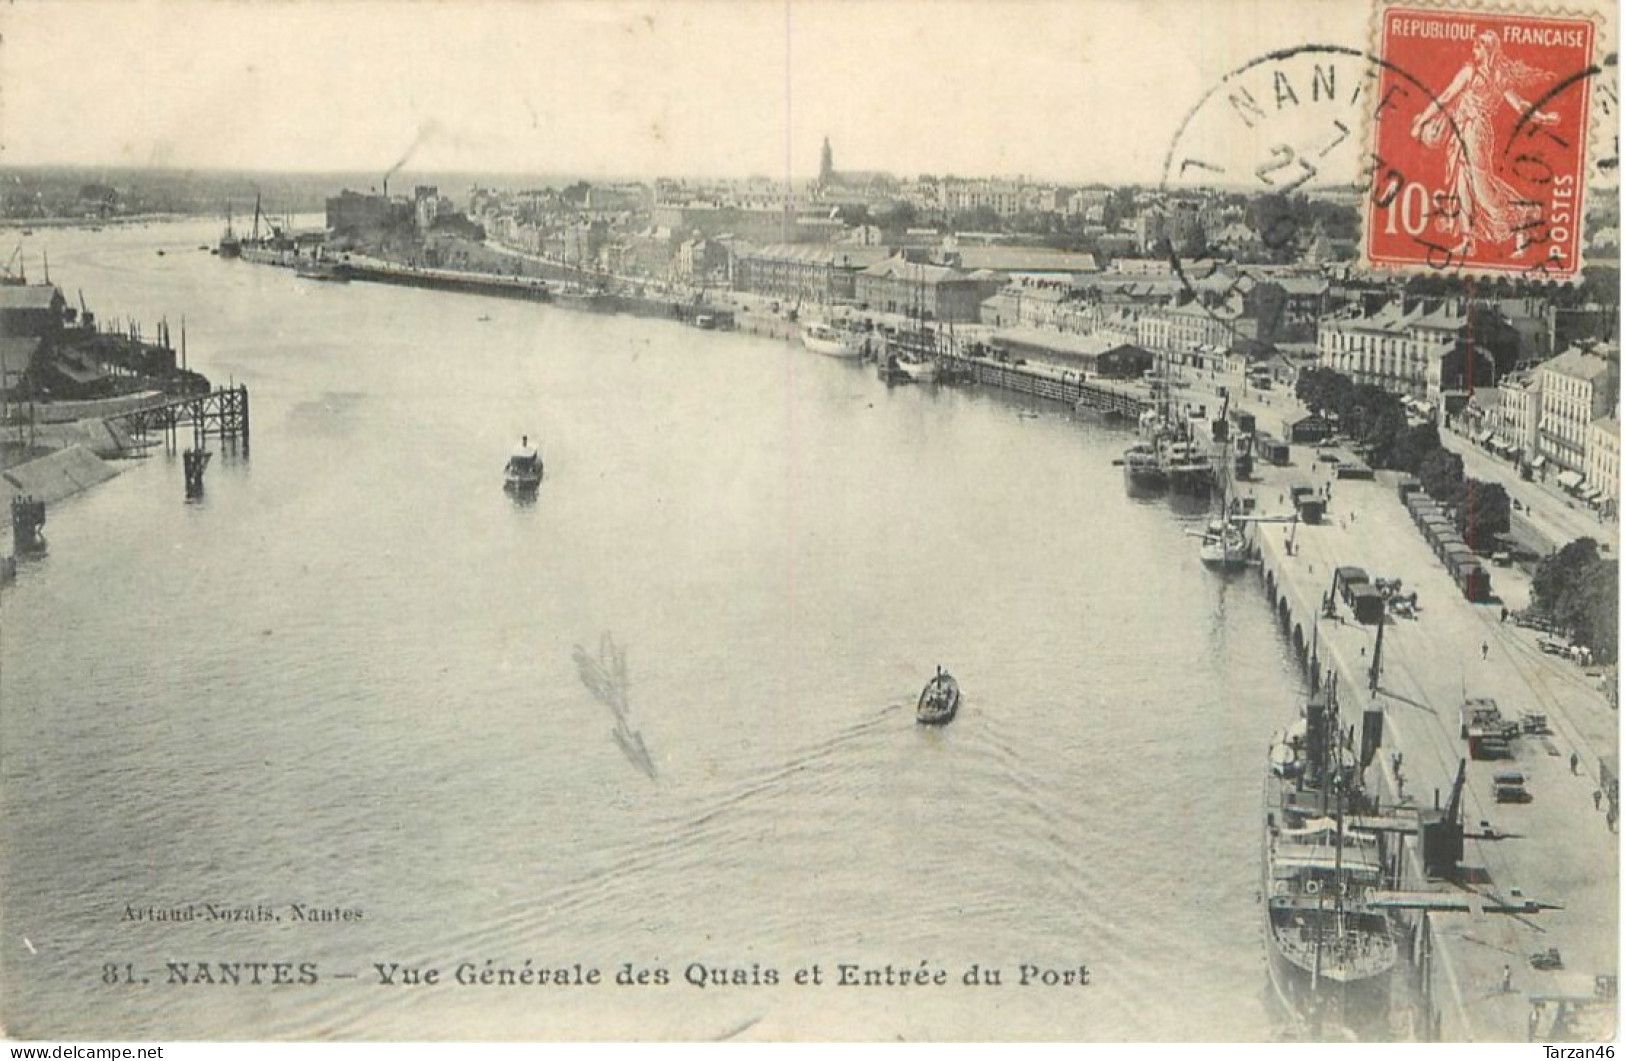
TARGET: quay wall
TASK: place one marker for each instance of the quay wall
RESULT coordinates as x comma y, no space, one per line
443,280
104,439
1471,977
57,411
54,476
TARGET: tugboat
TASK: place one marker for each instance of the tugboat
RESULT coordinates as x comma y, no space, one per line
939,700
524,471
230,246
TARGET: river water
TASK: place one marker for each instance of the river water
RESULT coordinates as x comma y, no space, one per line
348,678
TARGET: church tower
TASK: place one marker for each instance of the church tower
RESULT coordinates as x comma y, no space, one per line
826,163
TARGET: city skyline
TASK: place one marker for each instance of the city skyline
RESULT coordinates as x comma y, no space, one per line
1047,91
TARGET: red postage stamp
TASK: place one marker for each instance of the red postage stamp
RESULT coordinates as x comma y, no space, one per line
1479,141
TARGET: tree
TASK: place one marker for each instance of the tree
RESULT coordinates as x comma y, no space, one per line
980,219
1598,625
1441,476
1383,432
854,214
1485,515
898,216
1412,446
1269,306
1272,218
1324,390
1578,591
1559,573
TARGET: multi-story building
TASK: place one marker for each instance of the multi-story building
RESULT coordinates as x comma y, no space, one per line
701,260
1006,198
916,288
1421,349
1184,329
350,212
1027,302
1577,387
803,271
1601,484
1516,416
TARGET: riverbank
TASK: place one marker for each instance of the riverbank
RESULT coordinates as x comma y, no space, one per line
90,224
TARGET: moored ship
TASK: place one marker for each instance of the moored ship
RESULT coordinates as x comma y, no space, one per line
825,339
322,269
1142,467
230,245
1331,951
1189,470
916,354
1224,545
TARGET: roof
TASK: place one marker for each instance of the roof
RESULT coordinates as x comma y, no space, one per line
1026,260
917,272
800,252
1578,364
1299,285
1092,345
1036,294
28,296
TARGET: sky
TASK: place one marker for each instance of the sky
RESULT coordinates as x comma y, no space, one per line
1080,90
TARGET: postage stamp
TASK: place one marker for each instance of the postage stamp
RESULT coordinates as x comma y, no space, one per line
1483,171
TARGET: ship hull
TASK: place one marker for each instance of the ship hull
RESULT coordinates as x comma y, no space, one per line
1356,1009
1193,482
919,371
831,347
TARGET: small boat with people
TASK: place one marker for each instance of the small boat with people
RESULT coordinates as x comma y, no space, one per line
523,473
939,700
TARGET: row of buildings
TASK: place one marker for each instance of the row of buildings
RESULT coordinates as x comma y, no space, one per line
1558,421
1489,367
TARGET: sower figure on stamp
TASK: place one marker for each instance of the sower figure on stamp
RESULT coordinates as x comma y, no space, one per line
1478,204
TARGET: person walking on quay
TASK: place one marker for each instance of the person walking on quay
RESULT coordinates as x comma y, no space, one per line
1596,799
1484,650
1574,762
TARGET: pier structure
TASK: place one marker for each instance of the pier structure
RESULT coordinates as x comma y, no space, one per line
1057,384
1477,974
27,517
195,461
222,413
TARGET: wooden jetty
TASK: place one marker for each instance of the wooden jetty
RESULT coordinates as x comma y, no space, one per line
222,412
